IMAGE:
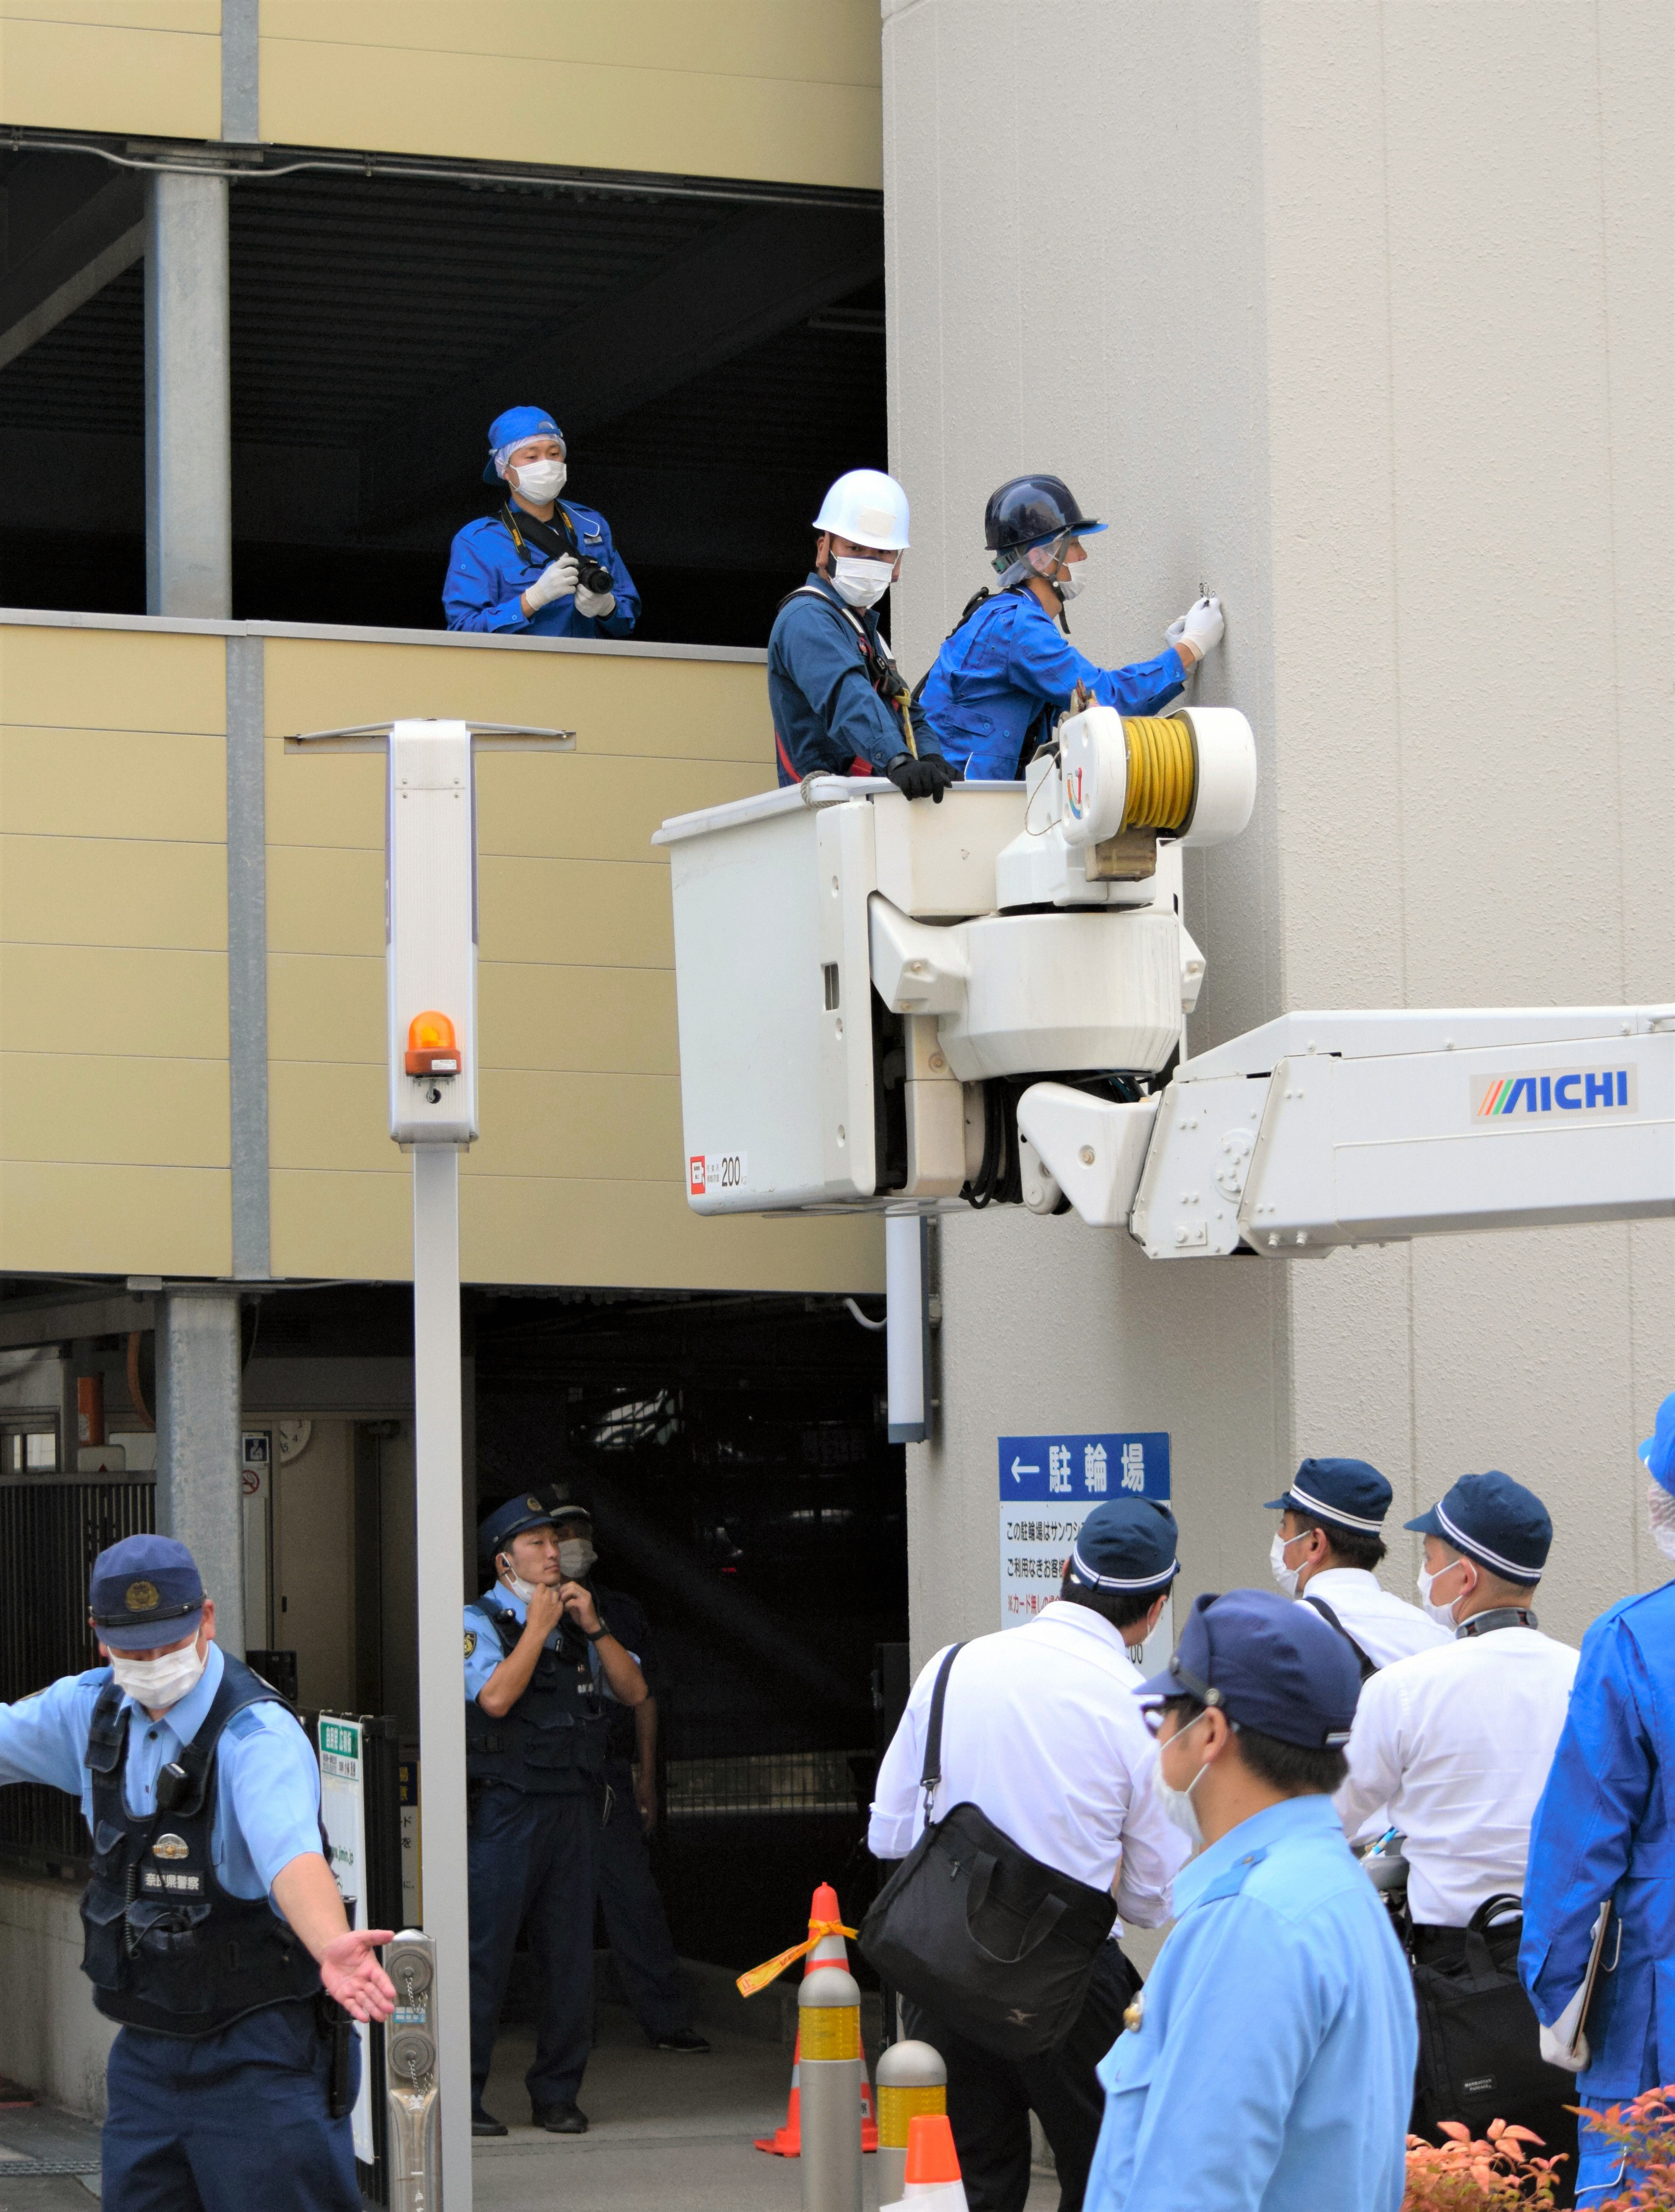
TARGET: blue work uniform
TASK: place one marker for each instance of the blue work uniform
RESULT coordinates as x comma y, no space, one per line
1604,1827
234,2120
825,663
1011,667
536,1778
1273,2063
488,573
636,1926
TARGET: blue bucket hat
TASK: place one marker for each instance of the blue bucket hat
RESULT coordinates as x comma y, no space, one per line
1494,1521
1126,1545
1658,1452
1347,1490
145,1592
512,429
1268,1665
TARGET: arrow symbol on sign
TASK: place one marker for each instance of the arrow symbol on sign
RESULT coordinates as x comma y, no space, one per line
1019,1470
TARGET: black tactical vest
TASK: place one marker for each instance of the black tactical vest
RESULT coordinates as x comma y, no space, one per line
166,1946
554,1737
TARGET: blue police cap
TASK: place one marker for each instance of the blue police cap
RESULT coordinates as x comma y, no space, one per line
1126,1545
1495,1521
530,1509
1268,1664
1347,1490
512,429
144,1593
1659,1450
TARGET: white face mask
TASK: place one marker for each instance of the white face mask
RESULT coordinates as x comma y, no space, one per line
540,481
1661,1510
158,1683
1443,1615
575,1556
1178,1803
1284,1576
861,583
516,1584
1069,584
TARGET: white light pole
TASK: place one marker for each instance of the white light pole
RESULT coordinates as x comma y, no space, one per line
430,926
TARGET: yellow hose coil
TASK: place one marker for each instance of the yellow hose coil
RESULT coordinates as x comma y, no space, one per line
1160,773
829,2032
897,2107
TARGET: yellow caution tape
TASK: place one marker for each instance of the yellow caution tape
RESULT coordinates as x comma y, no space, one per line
829,2032
771,1969
897,2107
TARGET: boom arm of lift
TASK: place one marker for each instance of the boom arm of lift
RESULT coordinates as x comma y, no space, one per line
1323,1130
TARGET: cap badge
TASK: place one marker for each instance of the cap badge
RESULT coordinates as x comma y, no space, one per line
171,1847
533,1504
140,1597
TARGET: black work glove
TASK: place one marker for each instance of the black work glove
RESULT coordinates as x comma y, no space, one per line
928,777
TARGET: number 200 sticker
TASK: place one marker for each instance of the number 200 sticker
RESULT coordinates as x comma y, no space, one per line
708,1174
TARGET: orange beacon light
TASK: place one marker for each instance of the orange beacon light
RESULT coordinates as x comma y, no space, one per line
432,1047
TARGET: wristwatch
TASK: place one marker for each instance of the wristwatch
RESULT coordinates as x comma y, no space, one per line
594,1634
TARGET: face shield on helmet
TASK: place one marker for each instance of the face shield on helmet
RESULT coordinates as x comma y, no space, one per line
1016,565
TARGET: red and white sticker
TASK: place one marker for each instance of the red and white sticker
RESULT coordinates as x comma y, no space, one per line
709,1174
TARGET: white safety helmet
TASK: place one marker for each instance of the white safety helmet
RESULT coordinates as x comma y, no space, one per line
868,508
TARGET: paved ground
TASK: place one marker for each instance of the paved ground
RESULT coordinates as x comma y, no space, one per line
39,2134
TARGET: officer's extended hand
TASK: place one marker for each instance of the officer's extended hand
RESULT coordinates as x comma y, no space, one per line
557,581
1201,627
350,1972
546,1610
598,604
928,777
579,1604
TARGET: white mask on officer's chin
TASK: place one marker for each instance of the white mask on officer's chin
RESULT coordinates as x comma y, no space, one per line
515,1583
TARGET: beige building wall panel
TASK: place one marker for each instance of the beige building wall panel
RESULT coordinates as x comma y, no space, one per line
150,68
785,90
325,901
113,783
89,890
663,709
585,806
110,679
519,1229
604,913
68,1107
322,1006
332,1115
76,1217
623,1129
353,1226
601,1021
322,799
112,999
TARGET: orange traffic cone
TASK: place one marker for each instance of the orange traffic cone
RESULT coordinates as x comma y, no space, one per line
829,1950
933,2182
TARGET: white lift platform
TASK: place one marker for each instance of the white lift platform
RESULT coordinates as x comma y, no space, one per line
895,1006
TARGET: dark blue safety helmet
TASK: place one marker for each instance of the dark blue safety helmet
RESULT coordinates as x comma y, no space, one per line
1030,510
1494,1521
145,1594
1268,1665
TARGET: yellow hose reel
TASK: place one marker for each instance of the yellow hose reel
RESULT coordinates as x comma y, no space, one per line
1190,775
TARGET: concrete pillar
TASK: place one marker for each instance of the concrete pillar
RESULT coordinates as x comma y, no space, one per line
200,1495
188,403
1362,317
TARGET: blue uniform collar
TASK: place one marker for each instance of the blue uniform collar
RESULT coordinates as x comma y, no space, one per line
1275,1824
186,1718
497,1598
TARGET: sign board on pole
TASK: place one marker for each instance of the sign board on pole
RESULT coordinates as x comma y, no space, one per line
343,1810
1048,1486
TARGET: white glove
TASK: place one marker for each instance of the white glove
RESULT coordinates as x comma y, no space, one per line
1201,626
1555,2040
556,580
595,604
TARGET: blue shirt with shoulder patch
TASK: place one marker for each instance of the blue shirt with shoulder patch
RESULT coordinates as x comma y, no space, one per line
268,1784
1274,2065
487,576
484,1651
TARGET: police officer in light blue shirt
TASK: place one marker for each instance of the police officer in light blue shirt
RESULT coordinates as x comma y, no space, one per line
215,1932
1268,2061
538,1655
1605,1831
541,566
1008,666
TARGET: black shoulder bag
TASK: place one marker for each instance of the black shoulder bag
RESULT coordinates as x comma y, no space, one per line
1367,1664
1479,2037
974,1929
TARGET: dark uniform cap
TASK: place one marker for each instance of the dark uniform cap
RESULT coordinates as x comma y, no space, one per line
1028,509
1268,1664
530,1509
145,1592
1495,1521
1126,1544
1347,1490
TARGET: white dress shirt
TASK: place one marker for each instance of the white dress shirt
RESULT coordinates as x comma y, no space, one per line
1043,1733
1386,1627
1456,1740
